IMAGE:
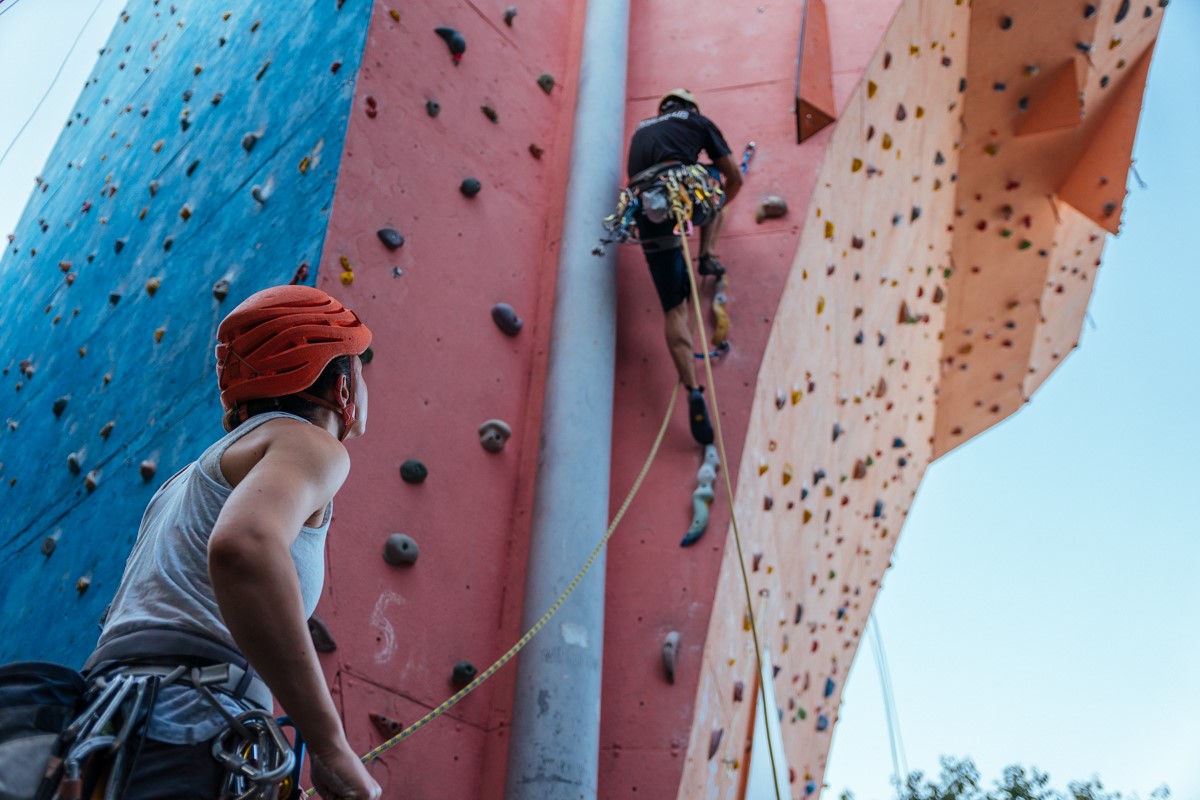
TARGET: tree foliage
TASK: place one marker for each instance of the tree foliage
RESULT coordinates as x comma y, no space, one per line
959,780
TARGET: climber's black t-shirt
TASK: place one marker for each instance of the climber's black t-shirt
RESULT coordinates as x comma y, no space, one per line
676,136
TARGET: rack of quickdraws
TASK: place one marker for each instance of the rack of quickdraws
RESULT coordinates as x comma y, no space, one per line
651,196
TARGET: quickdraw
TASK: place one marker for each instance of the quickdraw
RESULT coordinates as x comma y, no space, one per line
703,192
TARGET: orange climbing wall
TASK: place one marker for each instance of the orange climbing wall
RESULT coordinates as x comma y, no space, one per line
840,387
442,368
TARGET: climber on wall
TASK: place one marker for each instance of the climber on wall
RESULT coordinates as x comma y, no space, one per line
676,136
229,561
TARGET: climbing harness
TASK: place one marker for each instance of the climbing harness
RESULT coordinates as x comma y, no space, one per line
650,191
679,209
541,623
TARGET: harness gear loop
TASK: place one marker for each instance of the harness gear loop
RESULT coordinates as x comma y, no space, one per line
541,623
680,207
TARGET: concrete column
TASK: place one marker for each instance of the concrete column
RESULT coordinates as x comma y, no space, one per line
554,750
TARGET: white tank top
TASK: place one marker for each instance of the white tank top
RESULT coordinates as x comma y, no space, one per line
166,580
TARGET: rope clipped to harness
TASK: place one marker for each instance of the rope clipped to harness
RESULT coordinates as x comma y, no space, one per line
649,193
680,207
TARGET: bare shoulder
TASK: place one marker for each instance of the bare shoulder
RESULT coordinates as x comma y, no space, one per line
291,443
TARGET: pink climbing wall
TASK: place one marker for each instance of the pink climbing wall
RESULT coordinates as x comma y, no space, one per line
441,368
846,316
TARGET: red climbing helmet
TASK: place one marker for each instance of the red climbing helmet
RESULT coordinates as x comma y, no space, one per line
279,341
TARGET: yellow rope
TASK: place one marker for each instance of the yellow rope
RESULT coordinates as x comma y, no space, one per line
541,623
680,207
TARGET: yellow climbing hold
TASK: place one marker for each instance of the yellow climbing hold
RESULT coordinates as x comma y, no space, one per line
920,111
304,162
762,469
820,304
158,334
828,229
347,278
796,395
856,165
787,474
807,516
887,141
872,88
395,14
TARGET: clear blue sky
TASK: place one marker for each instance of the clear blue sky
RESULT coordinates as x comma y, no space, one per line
1043,604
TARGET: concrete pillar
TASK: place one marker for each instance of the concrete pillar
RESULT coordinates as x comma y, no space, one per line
554,748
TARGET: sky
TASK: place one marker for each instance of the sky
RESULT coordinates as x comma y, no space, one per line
1042,607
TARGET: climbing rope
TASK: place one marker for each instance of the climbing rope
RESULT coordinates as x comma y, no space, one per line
681,207
541,623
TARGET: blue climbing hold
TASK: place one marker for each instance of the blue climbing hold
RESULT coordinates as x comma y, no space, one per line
822,722
829,687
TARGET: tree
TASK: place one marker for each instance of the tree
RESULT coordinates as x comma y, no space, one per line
959,780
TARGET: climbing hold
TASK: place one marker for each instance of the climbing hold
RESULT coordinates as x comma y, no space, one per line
83,583
262,192
901,114
1089,11
897,443
366,356
119,245
738,689
106,430
714,742
394,14
300,275
392,239
386,726
829,685
703,495
464,672
432,108
413,471
860,470
249,140
400,549
372,107
1006,23
158,334
148,469
220,289
74,463
536,150
878,510
192,167
837,431
470,187
670,654
186,212
322,639
770,207
152,285
1122,11
489,112
493,434
506,319
822,722
546,81
454,40
60,405
91,481
48,545
509,14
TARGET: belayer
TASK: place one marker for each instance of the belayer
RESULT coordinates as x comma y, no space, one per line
666,148
209,624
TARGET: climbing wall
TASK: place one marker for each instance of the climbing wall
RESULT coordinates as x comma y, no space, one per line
465,159
197,167
955,154
1044,162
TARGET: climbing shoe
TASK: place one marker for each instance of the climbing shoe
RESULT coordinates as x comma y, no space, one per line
710,266
702,430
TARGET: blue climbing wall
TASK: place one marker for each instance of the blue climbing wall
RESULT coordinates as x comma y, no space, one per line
204,148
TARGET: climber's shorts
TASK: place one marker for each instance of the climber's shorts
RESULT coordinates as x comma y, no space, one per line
665,257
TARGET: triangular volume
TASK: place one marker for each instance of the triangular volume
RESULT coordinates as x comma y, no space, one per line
1055,104
809,119
1096,185
814,74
